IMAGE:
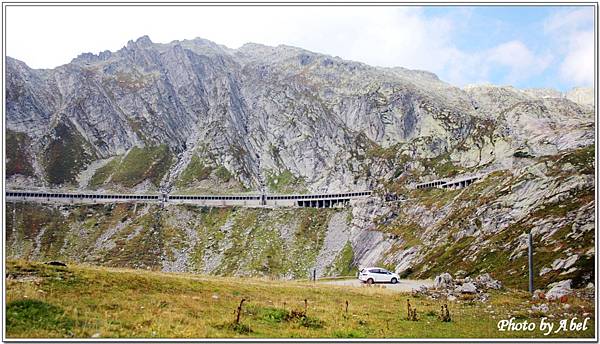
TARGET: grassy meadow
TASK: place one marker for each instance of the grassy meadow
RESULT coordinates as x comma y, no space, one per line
87,301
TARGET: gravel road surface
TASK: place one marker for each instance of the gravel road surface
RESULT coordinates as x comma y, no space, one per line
401,286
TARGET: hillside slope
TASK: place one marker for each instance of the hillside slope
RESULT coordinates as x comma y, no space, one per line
481,228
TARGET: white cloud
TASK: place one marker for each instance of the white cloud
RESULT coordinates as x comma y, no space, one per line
578,64
572,31
519,59
569,20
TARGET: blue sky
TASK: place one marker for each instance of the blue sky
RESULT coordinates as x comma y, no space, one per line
547,32
524,46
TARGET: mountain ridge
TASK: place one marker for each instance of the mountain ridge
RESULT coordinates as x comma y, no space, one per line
152,66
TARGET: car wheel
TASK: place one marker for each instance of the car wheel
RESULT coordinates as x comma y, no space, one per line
394,280
370,281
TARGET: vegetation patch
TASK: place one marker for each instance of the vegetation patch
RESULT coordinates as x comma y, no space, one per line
195,171
223,174
308,240
18,160
343,265
441,166
143,163
285,182
102,174
34,315
582,159
140,243
66,154
573,201
387,154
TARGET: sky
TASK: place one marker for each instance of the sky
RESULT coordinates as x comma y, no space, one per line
523,46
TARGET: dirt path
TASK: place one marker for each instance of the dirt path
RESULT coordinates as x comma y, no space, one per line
401,286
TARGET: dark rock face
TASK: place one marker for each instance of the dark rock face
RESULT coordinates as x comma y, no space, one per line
262,112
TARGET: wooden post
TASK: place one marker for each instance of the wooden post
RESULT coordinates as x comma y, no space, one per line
305,306
314,275
239,311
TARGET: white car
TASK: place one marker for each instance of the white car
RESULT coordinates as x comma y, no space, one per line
377,275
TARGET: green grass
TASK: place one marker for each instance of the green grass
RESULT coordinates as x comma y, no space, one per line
582,159
143,163
343,265
35,315
82,301
103,173
66,154
285,182
223,174
195,171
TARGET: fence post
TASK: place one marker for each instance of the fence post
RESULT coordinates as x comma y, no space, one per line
314,275
530,259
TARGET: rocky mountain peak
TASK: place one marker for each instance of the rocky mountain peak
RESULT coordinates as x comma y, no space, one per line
142,42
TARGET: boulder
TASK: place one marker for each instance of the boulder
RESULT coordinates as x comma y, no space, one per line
467,288
559,289
486,281
443,281
564,264
558,264
570,261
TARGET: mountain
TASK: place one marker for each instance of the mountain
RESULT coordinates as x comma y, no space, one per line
297,119
193,116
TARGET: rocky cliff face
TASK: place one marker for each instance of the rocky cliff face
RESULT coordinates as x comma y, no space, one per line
298,120
194,116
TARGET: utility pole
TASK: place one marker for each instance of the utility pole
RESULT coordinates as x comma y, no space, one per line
530,259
